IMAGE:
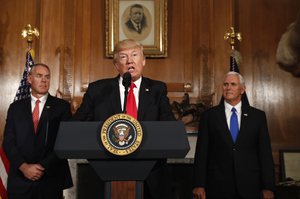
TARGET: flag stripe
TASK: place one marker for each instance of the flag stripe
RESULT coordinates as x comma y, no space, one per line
3,171
3,193
4,160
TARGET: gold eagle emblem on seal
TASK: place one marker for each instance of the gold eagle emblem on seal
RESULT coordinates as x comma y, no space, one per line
121,134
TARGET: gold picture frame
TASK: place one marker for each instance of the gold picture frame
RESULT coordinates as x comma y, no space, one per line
289,164
152,34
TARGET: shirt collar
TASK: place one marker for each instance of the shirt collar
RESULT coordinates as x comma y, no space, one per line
136,25
137,82
228,107
42,99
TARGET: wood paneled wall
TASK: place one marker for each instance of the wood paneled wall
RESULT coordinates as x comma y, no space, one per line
268,87
72,43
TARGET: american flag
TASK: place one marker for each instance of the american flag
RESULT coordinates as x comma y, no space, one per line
235,61
24,88
23,92
4,165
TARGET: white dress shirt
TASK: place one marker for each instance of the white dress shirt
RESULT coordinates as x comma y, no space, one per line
136,91
41,104
228,112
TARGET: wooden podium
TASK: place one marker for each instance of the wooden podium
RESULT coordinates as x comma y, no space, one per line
161,140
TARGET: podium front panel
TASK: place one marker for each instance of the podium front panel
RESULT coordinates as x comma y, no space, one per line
161,139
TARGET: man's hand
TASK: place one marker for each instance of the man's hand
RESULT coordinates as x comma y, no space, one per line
199,193
32,171
267,194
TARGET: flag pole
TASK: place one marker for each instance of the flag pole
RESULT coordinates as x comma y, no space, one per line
29,34
231,36
235,57
23,92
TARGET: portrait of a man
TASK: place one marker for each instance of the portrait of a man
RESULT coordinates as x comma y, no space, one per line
137,21
141,20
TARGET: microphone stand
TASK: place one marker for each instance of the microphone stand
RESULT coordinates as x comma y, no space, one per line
47,123
126,83
125,99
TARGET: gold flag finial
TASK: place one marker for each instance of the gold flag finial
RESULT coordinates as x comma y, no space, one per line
231,35
29,33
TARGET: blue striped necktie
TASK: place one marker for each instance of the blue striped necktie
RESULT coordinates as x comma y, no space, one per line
234,125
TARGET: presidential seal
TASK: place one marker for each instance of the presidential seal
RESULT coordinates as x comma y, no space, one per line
121,134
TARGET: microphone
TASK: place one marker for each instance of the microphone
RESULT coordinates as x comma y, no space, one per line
126,83
126,80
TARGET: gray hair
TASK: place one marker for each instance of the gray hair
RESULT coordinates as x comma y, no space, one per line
38,64
242,80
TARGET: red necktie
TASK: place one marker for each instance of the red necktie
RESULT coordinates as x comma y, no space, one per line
35,115
131,105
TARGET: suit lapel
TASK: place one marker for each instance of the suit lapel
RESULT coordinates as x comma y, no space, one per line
244,120
46,112
144,98
115,96
28,112
223,123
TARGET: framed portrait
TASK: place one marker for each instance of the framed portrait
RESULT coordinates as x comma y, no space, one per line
289,164
142,20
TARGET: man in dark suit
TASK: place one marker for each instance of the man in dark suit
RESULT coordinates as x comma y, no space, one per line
104,98
230,167
137,21
35,171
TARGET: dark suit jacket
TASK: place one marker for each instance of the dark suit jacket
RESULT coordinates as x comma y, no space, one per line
222,167
132,28
102,100
21,145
